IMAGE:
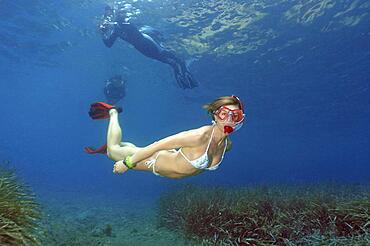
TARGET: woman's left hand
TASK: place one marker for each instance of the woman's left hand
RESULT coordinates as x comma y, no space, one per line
119,167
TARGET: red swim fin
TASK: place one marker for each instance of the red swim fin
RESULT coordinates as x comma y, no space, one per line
100,110
100,150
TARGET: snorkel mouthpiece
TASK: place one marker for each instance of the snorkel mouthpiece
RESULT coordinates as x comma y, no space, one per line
228,129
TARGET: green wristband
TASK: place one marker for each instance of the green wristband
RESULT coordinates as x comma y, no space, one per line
128,162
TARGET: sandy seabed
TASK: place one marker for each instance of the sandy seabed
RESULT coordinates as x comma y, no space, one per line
75,219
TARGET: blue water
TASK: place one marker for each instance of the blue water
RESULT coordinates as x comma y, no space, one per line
306,92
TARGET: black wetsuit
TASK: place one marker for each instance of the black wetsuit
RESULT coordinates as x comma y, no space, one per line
148,44
114,90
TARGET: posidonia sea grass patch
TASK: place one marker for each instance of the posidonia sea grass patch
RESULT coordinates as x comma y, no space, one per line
19,211
280,215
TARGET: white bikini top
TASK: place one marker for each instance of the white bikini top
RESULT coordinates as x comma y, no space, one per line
202,161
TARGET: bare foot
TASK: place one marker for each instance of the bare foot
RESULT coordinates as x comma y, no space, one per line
112,111
119,167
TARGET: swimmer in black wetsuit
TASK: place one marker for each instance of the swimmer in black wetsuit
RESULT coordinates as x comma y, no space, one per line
146,40
115,89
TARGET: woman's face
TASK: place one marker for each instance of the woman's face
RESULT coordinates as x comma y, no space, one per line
229,117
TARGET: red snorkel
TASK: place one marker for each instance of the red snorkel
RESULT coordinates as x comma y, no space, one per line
228,129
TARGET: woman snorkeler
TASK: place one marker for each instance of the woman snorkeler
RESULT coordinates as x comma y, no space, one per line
181,155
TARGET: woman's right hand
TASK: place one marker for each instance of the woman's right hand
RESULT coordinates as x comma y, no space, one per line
119,167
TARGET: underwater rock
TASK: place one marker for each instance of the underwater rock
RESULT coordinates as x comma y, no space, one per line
107,231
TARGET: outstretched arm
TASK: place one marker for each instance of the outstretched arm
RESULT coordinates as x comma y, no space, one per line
183,139
109,40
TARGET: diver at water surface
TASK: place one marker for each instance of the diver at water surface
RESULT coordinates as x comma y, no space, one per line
115,24
181,155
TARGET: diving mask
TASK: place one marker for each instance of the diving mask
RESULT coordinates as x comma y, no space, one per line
232,118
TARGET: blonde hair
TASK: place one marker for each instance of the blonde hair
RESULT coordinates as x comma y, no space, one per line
219,102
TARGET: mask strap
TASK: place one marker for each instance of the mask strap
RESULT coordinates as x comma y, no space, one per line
213,122
239,102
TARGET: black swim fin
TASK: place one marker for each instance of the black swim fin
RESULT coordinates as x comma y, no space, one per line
184,78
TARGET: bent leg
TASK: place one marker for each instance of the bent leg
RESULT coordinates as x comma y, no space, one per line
118,151
115,149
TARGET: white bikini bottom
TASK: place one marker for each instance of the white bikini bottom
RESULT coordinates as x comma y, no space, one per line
151,162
